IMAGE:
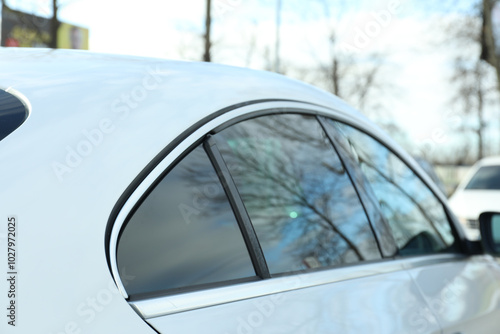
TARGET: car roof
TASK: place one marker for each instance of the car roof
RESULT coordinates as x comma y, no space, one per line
63,85
146,103
29,69
71,93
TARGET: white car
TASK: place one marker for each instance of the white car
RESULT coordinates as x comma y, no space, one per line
151,196
478,192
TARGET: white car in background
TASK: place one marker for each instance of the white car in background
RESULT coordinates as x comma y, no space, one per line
478,192
150,196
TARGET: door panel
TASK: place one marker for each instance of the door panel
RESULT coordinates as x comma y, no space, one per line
463,294
384,303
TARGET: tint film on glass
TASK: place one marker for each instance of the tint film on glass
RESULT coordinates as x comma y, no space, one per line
184,233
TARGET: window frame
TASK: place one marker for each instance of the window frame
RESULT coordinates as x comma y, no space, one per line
196,135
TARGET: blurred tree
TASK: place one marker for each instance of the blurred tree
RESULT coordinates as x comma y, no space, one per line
35,26
475,82
489,44
54,25
473,94
356,76
206,36
277,38
352,75
458,31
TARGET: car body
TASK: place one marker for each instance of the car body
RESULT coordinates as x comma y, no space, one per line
478,192
144,195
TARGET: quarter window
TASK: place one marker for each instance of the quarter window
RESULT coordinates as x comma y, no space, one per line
417,218
183,234
13,113
297,193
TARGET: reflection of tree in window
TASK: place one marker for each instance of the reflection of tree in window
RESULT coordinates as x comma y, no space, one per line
417,219
297,193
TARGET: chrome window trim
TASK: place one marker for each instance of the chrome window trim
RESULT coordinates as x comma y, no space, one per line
162,306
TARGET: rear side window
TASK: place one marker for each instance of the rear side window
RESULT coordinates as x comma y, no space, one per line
297,193
13,113
417,218
486,178
184,233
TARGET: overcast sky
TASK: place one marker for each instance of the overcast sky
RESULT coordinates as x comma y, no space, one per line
415,67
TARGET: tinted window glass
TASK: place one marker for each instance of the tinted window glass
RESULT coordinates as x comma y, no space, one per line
486,177
12,113
370,201
416,217
299,198
184,233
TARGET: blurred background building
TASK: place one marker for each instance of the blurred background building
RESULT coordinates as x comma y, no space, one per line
20,29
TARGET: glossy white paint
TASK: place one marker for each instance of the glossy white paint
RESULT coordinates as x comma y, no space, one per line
464,295
96,121
161,306
384,303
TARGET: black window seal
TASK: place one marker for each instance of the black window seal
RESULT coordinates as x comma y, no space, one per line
246,227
